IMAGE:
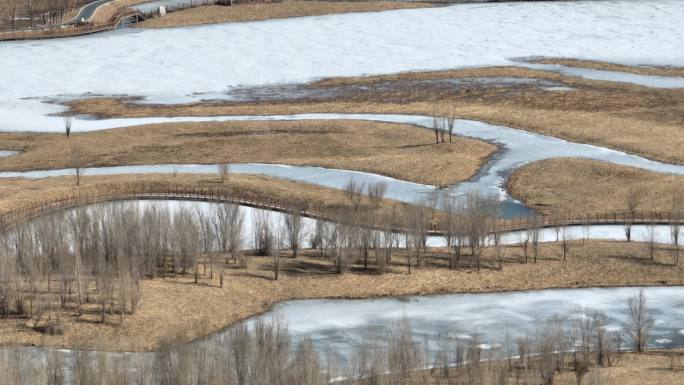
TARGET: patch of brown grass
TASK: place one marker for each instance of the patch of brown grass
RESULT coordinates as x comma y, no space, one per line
572,185
400,151
600,65
263,11
650,368
174,306
18,192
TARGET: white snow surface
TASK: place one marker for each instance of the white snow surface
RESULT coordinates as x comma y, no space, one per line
181,64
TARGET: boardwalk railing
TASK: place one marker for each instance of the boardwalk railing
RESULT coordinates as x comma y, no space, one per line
261,200
72,30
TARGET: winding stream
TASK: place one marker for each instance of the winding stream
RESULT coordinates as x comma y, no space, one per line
517,148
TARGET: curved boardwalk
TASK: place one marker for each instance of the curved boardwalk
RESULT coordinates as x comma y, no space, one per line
233,195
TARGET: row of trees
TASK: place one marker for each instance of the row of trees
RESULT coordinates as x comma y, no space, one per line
38,12
99,254
266,354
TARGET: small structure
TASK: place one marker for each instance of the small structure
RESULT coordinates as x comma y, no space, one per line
162,10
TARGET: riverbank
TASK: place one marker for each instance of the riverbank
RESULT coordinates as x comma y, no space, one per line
561,185
399,151
169,305
289,8
609,114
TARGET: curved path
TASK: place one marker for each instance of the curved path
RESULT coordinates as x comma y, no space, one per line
86,12
604,225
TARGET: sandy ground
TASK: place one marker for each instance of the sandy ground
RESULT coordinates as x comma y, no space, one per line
170,305
615,115
250,12
568,184
400,151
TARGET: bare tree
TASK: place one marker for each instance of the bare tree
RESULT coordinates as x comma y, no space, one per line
640,321
277,237
480,212
449,225
451,119
632,201
436,127
207,235
228,223
651,239
12,7
524,241
417,228
675,224
224,172
535,232
295,231
75,159
566,238
499,248
376,191
354,192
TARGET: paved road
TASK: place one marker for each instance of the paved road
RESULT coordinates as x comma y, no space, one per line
87,11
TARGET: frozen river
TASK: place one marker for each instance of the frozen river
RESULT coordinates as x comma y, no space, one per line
341,326
185,64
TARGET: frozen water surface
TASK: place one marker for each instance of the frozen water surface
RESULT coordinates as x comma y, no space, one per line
180,64
492,318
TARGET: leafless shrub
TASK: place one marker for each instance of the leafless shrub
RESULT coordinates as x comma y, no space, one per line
295,230
651,239
354,190
640,321
632,201
376,191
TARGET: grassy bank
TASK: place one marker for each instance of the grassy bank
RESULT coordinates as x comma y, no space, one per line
571,184
399,151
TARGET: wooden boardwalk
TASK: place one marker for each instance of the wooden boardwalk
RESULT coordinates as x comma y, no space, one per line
232,195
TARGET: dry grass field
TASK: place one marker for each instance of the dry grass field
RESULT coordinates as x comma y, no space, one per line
287,8
400,151
626,117
651,368
18,192
571,184
199,309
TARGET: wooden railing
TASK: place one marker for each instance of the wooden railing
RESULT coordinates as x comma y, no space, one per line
236,195
159,191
